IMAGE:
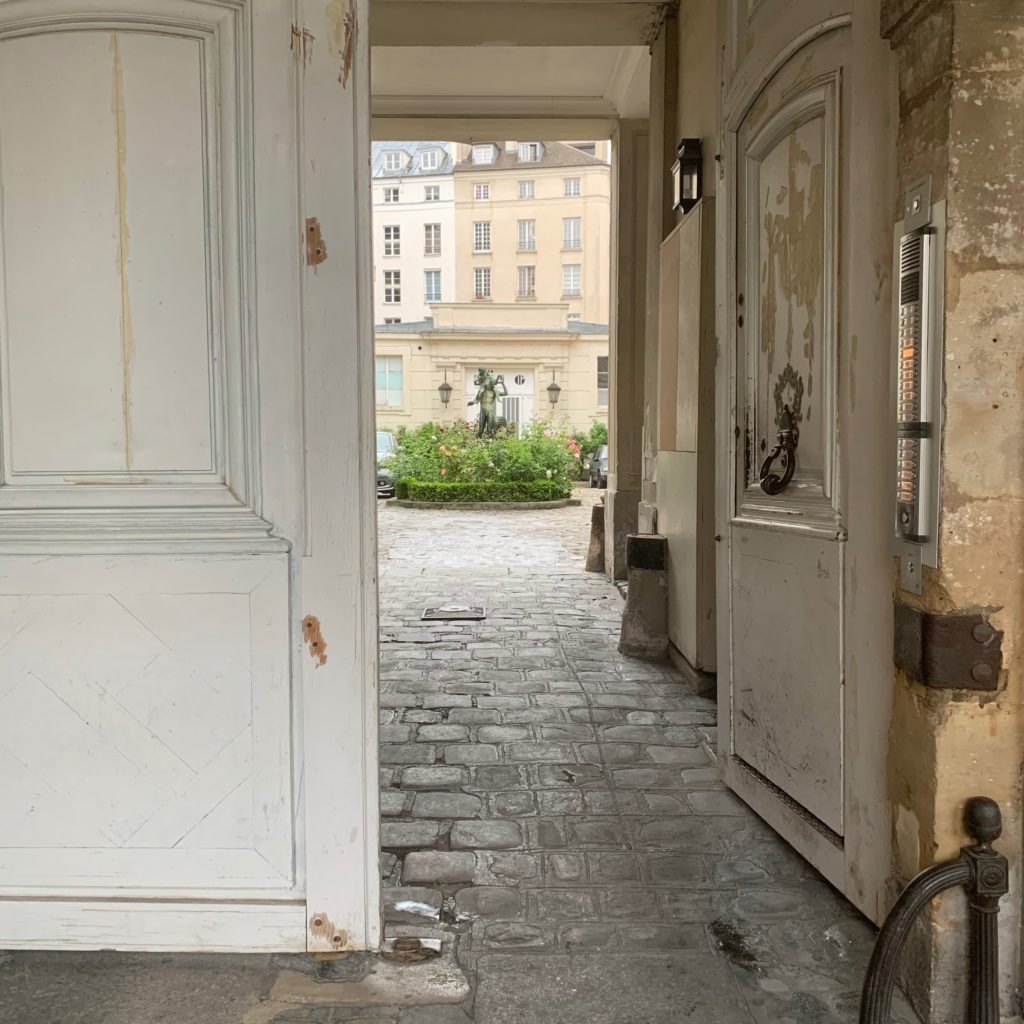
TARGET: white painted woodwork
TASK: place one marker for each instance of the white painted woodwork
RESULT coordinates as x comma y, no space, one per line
166,511
686,360
804,641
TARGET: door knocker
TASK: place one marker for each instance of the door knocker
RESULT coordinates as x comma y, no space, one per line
788,436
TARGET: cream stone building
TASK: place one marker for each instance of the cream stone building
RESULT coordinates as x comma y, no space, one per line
413,229
532,224
414,360
521,285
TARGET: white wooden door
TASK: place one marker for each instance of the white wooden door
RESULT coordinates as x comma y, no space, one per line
805,638
186,619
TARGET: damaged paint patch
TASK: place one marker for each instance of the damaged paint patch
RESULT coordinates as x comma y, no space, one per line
316,247
302,44
117,105
342,31
321,927
314,640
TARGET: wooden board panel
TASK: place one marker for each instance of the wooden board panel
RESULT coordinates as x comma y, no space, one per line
787,679
145,723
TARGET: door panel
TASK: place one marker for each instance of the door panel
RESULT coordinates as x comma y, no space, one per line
786,657
804,575
152,517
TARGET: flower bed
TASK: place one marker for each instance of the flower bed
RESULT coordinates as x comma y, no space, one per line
451,464
459,493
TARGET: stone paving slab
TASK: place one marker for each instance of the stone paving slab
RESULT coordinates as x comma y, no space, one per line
578,803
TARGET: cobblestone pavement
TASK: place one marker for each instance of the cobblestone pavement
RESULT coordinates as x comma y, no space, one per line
556,808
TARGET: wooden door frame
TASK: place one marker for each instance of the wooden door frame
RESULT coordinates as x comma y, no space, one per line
337,602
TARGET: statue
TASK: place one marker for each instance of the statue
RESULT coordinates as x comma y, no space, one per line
487,398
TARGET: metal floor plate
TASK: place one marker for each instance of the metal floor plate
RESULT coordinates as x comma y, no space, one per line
455,612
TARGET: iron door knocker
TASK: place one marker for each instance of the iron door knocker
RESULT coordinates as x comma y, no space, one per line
788,437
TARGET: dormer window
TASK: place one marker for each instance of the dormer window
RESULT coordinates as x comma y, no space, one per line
529,152
430,160
484,154
393,160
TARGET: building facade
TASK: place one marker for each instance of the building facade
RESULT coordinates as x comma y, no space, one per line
414,359
413,229
532,225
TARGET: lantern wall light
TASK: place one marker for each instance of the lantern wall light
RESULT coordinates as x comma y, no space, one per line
553,391
445,391
687,175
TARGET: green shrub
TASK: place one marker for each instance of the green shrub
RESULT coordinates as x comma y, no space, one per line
437,454
511,490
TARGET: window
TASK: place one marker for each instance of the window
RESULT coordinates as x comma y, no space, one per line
429,161
527,283
529,152
526,190
590,148
392,240
431,239
481,191
483,154
571,228
570,279
482,282
481,236
392,286
431,193
391,195
602,382
393,161
389,380
392,320
571,186
527,236
431,285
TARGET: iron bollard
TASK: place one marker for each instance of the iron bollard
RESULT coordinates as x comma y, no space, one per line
984,875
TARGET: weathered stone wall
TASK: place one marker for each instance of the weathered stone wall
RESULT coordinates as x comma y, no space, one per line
962,121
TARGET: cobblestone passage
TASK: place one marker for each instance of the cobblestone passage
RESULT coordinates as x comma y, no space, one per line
556,808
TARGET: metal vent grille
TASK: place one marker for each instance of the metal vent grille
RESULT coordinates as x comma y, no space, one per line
911,258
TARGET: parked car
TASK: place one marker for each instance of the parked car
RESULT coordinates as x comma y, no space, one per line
599,467
385,452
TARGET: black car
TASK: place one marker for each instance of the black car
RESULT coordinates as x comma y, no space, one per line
599,467
385,452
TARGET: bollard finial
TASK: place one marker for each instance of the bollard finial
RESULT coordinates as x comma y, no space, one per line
983,820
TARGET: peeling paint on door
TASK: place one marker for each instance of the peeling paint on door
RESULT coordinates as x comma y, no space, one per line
342,32
302,44
314,638
127,336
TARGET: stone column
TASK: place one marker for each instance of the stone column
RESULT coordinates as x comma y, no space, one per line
626,341
962,122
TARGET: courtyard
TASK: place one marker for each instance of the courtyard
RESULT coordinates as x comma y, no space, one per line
555,810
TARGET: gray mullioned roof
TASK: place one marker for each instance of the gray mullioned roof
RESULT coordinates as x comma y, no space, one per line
554,154
413,150
427,327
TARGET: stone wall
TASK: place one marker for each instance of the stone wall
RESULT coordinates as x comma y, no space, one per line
961,94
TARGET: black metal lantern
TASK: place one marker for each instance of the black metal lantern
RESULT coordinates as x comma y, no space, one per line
553,391
687,175
445,391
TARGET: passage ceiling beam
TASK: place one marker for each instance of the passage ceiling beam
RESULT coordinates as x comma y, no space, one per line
504,23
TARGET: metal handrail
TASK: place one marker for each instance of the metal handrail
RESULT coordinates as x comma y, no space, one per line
984,874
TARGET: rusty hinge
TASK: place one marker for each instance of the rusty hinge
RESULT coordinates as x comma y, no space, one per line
947,652
316,249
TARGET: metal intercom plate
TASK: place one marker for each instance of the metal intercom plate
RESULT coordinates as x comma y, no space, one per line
917,387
